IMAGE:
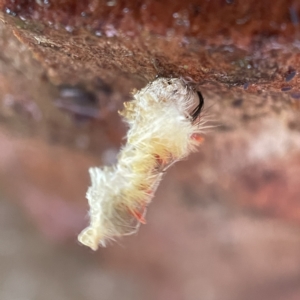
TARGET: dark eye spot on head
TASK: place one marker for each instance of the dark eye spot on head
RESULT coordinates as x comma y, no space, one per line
197,110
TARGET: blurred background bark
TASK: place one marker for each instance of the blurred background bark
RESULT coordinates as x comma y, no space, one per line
225,223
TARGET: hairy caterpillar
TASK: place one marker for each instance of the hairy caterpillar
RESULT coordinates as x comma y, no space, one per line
164,127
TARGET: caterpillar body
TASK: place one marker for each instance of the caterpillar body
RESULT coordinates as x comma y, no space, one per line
164,126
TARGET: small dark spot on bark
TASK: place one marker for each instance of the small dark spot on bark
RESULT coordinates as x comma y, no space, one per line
286,88
237,102
290,75
296,95
294,15
246,85
196,9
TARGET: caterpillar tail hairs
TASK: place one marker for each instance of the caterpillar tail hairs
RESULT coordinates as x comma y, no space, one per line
165,126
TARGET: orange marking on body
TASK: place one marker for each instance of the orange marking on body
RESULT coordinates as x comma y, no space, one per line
138,215
162,161
158,159
197,137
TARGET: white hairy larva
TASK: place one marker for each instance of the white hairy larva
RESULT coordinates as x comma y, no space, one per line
164,127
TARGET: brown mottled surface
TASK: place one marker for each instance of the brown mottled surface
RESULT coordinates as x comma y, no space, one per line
224,223
126,43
